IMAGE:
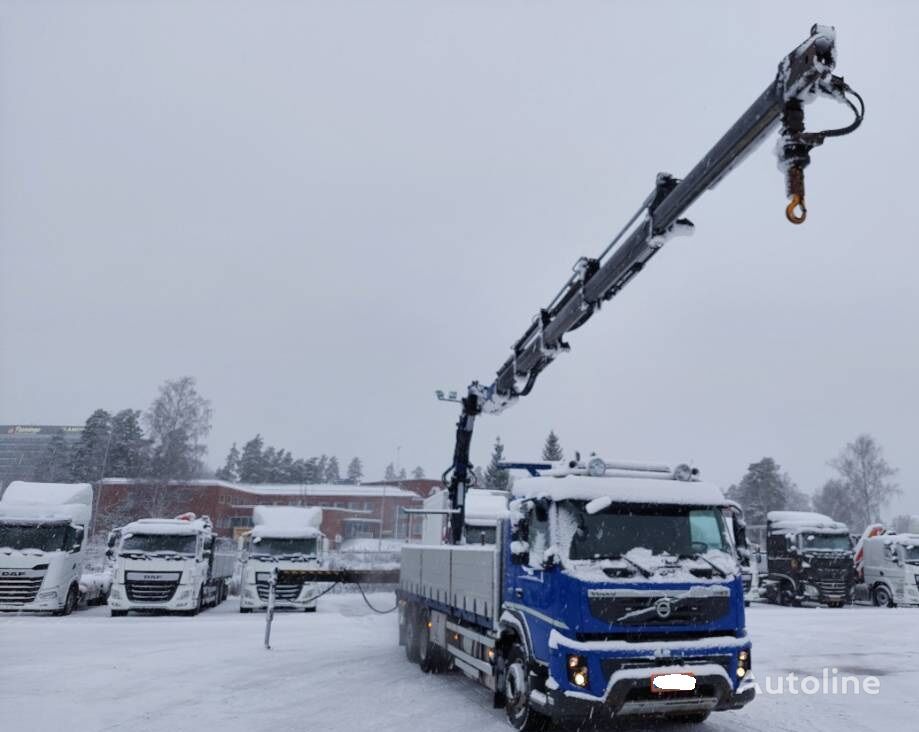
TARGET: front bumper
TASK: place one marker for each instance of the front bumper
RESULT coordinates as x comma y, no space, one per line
620,675
185,598
250,598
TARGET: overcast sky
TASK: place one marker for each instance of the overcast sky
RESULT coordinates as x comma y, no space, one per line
326,211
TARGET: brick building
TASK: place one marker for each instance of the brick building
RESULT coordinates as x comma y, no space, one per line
349,511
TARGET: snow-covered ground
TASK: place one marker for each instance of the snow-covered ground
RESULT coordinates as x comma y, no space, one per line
341,669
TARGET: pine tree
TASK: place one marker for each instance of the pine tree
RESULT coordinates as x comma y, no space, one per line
552,450
230,469
355,470
332,473
90,453
129,452
495,477
54,464
765,488
311,472
251,462
270,462
322,466
390,473
418,473
286,467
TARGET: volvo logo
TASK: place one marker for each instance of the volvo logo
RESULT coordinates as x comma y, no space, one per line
663,608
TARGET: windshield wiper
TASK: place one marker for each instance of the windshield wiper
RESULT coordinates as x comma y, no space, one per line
645,572
708,562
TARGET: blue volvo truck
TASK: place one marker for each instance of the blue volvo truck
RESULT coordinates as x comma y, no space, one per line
610,590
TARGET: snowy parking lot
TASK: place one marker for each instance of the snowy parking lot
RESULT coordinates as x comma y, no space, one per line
341,669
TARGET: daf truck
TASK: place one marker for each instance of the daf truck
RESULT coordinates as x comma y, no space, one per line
614,590
42,546
175,565
283,538
809,557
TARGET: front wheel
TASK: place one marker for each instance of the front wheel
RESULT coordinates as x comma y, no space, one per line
517,693
882,597
70,604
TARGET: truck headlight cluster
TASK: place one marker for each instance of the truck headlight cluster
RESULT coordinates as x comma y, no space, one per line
577,670
47,595
743,663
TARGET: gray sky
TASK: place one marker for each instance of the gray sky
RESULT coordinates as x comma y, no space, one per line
325,211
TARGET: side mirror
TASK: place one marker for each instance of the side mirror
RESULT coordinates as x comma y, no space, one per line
77,541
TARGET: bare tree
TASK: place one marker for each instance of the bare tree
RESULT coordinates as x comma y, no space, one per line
178,420
863,474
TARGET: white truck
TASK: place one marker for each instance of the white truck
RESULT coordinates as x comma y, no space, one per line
42,531
891,569
283,538
174,565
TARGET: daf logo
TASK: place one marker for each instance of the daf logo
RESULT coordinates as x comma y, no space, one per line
12,574
663,608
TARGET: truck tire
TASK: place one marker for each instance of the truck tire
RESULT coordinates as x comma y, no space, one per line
118,613
432,658
411,634
882,596
70,603
517,693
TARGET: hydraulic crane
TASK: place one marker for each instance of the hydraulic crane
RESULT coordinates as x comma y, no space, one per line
803,75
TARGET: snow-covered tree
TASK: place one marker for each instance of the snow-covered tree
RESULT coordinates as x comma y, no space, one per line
355,470
230,469
178,420
495,477
766,488
418,473
863,479
402,475
54,464
251,462
552,449
332,472
322,466
90,453
390,473
129,452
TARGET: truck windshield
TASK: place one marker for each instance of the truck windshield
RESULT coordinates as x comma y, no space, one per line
153,543
910,553
40,537
279,547
674,530
826,542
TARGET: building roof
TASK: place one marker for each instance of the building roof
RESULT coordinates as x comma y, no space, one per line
322,490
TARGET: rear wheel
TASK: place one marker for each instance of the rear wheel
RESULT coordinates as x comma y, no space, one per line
517,693
882,597
411,634
431,657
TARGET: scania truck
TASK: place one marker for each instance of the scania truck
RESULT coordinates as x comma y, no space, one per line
171,565
42,531
614,590
283,538
809,557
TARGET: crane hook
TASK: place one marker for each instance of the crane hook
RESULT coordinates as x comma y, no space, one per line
797,202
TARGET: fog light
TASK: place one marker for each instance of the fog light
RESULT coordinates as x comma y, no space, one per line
743,663
577,670
741,672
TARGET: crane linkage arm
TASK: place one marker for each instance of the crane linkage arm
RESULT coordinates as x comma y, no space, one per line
807,72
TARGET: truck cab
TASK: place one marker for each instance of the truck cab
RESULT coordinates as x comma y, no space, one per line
891,569
599,584
170,565
42,532
809,557
283,538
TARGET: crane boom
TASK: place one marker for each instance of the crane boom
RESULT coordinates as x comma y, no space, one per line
807,72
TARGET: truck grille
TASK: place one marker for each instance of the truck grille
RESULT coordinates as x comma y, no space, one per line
282,591
640,607
20,586
611,665
151,586
829,587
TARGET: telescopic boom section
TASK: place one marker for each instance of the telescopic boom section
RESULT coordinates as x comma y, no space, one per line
807,72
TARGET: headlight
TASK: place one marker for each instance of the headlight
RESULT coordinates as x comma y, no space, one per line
743,663
577,671
183,595
47,595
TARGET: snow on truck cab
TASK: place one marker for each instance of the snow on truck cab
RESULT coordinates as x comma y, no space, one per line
42,531
808,557
173,565
891,569
611,590
284,538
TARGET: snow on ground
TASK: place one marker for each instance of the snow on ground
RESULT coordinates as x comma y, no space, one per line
342,669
